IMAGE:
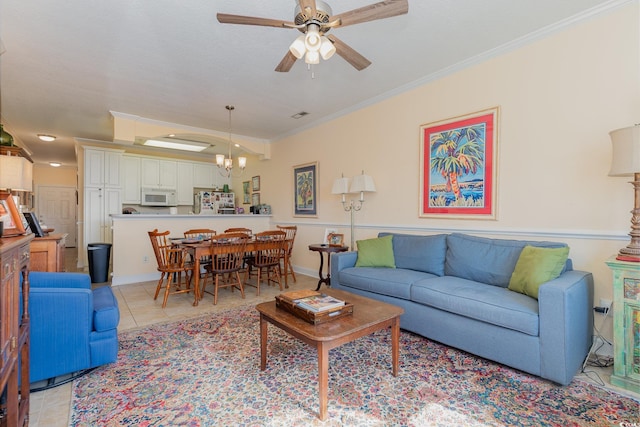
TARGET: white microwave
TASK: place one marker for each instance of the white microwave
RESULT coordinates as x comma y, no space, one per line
158,197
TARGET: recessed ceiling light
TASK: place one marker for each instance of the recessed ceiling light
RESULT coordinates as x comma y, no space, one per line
46,138
55,164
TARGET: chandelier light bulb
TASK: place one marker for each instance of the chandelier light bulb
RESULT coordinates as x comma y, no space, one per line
312,40
327,49
220,160
298,48
312,57
242,162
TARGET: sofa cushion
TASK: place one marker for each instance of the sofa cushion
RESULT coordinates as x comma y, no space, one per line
395,282
484,260
486,303
421,253
376,252
536,266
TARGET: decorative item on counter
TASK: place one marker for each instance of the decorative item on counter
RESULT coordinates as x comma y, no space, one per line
263,209
6,139
225,188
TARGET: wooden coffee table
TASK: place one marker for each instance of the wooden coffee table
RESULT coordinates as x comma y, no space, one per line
368,316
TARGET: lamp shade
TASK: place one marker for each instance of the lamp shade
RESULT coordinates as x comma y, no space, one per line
625,160
15,173
362,183
340,186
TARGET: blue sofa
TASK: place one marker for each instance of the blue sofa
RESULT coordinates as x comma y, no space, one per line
73,328
453,289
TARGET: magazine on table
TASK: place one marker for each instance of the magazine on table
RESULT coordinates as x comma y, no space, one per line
320,302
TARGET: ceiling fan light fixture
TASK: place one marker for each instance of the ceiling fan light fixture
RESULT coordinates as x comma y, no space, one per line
298,48
312,39
327,49
312,57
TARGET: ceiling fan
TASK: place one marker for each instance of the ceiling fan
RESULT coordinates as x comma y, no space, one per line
314,19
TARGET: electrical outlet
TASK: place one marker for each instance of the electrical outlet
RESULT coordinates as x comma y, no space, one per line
145,259
605,303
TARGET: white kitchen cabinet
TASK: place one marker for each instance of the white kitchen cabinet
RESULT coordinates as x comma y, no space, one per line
203,175
99,203
102,194
102,168
130,179
184,190
157,173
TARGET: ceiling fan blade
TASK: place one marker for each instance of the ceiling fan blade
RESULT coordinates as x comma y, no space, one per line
381,10
350,55
308,4
226,18
287,62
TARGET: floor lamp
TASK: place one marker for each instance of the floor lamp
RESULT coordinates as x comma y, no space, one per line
626,162
359,184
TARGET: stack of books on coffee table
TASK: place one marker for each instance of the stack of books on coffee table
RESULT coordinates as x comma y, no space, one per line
313,306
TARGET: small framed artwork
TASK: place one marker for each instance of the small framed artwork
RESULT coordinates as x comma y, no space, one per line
336,239
458,164
305,182
10,216
34,224
255,183
327,233
246,194
255,199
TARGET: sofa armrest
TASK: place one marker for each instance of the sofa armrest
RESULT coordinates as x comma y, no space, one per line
106,314
41,279
566,324
342,260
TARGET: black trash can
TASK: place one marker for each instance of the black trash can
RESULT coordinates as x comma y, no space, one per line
99,255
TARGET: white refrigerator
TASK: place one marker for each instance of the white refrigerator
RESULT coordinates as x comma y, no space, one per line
214,203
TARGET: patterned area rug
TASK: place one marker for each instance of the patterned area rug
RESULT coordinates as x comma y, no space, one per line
206,372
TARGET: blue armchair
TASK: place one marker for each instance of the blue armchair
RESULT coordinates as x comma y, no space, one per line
73,328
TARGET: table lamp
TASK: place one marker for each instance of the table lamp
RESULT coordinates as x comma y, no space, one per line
625,161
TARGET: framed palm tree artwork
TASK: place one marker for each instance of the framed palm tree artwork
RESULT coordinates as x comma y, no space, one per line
458,163
305,183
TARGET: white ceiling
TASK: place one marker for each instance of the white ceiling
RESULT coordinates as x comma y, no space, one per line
68,63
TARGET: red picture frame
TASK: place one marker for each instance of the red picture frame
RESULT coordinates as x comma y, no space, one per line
458,164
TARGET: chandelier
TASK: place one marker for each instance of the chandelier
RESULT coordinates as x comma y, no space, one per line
225,164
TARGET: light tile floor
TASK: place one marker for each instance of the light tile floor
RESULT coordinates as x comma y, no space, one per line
51,408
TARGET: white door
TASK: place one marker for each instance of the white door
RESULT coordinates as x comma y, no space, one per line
56,208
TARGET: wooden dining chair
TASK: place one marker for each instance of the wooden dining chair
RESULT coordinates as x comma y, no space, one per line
201,233
239,230
266,258
227,254
288,249
172,262
195,233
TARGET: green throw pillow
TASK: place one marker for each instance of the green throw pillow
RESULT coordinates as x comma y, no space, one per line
376,252
535,267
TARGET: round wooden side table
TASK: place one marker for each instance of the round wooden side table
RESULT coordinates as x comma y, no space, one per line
326,249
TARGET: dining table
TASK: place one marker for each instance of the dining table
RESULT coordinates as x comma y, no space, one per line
198,250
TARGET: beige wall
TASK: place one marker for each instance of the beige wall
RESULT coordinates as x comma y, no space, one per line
48,175
558,96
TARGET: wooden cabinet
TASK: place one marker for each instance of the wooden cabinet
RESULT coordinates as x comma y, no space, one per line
14,329
47,253
626,324
157,173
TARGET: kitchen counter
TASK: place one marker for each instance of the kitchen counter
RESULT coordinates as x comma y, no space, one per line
132,254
